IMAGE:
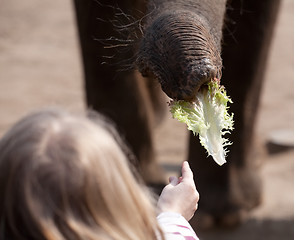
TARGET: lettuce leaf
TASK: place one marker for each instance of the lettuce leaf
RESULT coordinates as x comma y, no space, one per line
208,118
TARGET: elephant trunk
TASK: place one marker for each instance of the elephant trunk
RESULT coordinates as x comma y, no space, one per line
181,48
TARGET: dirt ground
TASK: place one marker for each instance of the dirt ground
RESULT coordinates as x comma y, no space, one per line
40,66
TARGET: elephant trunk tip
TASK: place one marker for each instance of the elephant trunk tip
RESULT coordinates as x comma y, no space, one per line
178,50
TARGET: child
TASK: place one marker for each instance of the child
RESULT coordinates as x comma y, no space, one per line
66,177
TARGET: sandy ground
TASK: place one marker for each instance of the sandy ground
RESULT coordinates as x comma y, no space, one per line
40,66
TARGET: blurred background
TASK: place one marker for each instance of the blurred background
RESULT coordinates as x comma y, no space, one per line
40,66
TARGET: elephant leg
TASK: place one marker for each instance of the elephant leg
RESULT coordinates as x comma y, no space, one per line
229,191
122,96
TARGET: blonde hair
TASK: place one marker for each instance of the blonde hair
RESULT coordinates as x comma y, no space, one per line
65,177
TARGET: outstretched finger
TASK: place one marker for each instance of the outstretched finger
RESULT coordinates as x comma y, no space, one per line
187,173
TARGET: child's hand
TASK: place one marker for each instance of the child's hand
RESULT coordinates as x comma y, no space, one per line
180,195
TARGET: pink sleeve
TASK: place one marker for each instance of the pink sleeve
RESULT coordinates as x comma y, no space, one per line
176,227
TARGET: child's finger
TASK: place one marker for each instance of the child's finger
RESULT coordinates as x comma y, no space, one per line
186,171
173,180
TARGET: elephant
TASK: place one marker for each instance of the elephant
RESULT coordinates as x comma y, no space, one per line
134,50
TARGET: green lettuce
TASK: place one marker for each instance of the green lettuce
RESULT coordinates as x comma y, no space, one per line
208,118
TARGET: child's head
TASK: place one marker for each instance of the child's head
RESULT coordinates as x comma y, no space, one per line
66,177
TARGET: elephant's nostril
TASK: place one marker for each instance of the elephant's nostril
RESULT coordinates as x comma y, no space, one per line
179,51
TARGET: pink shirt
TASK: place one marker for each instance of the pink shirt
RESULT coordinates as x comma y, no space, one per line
176,227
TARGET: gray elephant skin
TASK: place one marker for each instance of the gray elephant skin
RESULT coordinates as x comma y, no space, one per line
130,48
